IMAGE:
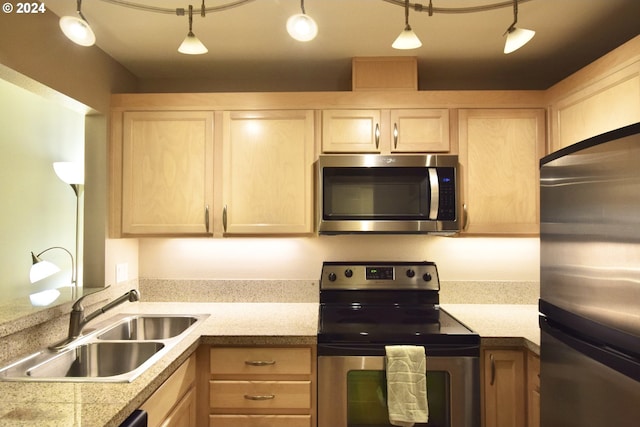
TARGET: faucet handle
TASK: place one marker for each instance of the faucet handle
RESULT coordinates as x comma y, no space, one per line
77,306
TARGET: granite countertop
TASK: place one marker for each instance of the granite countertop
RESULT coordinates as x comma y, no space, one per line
508,325
108,404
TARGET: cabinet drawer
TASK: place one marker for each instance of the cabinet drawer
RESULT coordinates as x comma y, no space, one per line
260,394
260,421
260,361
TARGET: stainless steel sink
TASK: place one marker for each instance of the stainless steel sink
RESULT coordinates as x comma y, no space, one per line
98,359
117,350
144,327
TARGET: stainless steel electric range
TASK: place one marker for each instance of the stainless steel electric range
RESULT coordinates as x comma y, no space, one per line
365,306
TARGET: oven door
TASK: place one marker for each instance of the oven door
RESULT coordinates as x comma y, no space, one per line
352,392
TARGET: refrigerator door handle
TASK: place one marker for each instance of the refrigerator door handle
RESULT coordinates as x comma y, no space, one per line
626,364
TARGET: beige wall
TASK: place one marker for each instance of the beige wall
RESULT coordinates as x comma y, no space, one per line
38,209
458,258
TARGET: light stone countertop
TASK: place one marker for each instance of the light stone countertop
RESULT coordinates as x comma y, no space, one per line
108,404
509,325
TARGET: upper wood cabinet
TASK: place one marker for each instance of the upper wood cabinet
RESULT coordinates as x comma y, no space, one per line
385,131
601,97
167,172
500,151
268,172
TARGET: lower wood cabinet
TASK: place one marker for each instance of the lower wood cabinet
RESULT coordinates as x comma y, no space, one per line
174,403
510,388
533,390
504,388
262,386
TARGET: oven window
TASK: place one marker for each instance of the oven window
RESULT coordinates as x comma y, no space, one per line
367,399
376,193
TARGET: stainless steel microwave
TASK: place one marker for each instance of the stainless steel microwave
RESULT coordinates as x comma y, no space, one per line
371,193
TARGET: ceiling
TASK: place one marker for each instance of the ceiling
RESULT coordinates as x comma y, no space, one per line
250,50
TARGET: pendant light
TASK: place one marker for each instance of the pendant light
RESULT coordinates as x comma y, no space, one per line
301,26
407,38
516,37
77,29
191,45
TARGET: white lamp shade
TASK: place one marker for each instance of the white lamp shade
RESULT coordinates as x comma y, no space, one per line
191,45
77,30
302,27
70,172
407,40
516,38
42,270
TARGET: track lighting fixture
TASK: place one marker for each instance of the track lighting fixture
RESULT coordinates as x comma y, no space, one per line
407,38
301,26
516,37
191,45
77,29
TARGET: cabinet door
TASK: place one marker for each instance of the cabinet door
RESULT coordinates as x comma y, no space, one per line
351,131
167,172
420,130
184,414
500,151
268,172
174,401
504,388
533,390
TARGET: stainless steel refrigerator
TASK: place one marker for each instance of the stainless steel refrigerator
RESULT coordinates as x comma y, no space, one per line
590,282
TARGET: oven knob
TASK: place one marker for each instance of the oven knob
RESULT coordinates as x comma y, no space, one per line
348,272
410,273
426,277
332,277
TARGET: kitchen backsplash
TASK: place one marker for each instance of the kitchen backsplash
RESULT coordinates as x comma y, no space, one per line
293,291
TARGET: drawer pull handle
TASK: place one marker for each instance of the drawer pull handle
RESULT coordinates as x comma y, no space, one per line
259,396
260,362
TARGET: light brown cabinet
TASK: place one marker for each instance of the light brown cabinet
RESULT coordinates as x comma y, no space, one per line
601,97
167,173
499,155
174,403
385,131
504,388
533,390
268,172
262,386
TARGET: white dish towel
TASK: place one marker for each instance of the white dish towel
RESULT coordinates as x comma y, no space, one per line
406,385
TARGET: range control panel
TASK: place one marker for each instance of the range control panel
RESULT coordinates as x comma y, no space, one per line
422,275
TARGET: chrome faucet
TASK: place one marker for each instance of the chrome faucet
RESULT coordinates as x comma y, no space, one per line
78,320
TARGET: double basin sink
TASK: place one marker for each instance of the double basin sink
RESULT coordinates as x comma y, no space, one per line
118,351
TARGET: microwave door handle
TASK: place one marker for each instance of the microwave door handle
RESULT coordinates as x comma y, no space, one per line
434,188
